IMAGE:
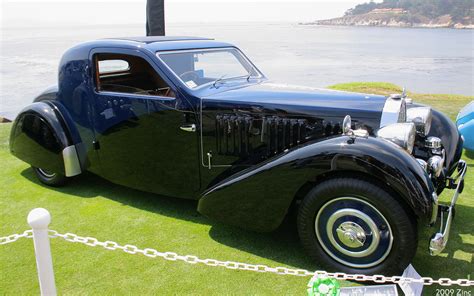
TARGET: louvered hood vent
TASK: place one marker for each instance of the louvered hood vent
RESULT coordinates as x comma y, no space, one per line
239,135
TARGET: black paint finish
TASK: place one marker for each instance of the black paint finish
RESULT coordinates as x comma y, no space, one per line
266,142
259,197
38,137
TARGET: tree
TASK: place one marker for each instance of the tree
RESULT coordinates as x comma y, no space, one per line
458,9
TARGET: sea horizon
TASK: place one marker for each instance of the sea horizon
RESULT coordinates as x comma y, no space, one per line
422,60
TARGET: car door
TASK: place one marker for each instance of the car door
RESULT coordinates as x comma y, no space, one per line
144,127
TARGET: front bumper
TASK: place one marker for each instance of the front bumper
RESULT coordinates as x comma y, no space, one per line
440,239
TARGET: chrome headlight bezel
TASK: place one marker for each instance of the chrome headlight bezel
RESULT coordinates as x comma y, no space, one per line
435,165
422,118
402,134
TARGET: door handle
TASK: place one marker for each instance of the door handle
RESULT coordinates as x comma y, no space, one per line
188,127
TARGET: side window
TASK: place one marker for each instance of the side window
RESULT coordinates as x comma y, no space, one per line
129,74
113,66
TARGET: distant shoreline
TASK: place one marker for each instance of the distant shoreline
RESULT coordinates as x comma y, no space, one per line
390,20
390,25
312,24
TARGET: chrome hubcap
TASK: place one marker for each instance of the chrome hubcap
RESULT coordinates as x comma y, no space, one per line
353,232
352,235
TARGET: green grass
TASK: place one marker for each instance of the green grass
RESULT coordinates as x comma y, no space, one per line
90,206
448,104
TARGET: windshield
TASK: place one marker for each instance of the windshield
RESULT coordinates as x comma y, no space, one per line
209,66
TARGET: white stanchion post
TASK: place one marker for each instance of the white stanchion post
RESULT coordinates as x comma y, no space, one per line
39,220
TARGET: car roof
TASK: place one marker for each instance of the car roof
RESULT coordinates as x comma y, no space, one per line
167,43
152,39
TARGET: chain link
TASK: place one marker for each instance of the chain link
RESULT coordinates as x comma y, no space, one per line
191,259
14,237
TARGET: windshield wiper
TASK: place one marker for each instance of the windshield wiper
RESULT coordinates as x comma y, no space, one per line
218,79
247,77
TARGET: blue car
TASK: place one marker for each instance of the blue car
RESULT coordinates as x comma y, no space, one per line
194,118
465,123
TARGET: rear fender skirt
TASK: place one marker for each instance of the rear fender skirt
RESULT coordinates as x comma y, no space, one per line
41,137
258,198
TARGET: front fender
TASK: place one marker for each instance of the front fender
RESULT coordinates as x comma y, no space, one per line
445,129
259,197
40,137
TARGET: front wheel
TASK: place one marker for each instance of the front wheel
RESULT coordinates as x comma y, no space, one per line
49,178
353,226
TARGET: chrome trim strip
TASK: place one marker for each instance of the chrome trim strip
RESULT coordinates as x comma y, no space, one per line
72,167
440,239
134,95
45,173
188,128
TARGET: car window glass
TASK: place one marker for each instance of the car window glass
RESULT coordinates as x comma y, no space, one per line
198,67
111,66
129,74
218,64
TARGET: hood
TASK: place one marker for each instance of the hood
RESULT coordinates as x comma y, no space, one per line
245,125
282,99
285,94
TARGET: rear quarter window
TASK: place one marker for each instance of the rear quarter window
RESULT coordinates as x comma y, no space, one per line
113,66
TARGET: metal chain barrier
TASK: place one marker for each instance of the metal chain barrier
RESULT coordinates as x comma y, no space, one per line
191,259
14,237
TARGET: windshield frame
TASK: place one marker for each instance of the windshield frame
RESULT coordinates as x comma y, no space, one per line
260,75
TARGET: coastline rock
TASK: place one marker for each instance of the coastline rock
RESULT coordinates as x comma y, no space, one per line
390,19
4,120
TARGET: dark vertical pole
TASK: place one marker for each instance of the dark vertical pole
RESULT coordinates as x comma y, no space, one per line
155,17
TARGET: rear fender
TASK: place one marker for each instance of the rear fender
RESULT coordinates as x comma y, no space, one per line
41,137
259,198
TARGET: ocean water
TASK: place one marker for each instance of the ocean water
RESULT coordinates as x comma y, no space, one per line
422,60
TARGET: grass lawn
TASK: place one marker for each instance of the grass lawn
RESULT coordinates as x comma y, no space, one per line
90,206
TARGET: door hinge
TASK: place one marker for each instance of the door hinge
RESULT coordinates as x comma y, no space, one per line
96,145
188,127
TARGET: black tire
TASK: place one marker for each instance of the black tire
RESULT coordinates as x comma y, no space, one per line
351,209
49,178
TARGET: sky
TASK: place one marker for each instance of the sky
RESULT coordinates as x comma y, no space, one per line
27,13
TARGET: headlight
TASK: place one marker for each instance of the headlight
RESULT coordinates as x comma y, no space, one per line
421,117
402,134
435,164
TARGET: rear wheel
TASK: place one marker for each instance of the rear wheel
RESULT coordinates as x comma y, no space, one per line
353,226
49,178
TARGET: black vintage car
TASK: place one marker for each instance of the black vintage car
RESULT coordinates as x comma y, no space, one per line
194,118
